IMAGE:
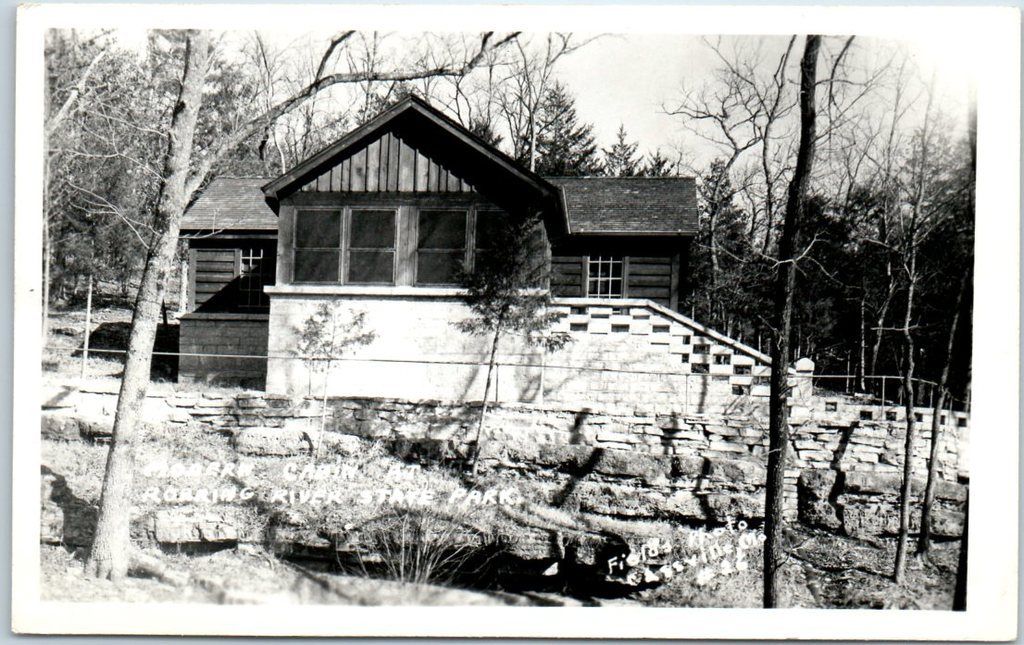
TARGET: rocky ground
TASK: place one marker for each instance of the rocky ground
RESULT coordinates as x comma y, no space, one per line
197,549
321,523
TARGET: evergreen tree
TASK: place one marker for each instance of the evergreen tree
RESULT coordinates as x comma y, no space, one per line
484,128
658,166
564,146
621,159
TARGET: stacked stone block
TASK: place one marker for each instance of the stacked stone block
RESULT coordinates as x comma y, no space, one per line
224,337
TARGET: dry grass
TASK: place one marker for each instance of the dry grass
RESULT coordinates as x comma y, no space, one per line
825,571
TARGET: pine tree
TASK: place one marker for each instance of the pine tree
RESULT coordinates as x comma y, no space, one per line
621,159
658,166
564,146
484,128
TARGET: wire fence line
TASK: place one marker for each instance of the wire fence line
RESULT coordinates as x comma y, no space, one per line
878,386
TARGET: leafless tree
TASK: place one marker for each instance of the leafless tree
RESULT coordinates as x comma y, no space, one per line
184,171
785,280
53,123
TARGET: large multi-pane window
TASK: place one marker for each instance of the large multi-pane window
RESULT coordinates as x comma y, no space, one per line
426,246
367,252
605,276
317,245
441,248
371,247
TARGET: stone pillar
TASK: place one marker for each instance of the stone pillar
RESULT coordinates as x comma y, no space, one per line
803,386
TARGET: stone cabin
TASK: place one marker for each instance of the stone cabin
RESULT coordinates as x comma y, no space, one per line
380,219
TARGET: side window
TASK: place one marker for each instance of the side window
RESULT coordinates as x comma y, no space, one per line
256,270
441,248
604,276
317,245
371,247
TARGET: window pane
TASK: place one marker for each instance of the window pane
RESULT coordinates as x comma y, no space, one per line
438,268
442,229
317,229
605,276
256,272
316,266
489,225
372,230
375,267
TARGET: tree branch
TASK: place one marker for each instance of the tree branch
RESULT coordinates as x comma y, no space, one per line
319,84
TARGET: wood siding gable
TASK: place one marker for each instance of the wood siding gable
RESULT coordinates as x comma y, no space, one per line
388,164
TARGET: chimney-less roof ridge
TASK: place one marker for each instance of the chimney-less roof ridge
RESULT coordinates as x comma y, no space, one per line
675,178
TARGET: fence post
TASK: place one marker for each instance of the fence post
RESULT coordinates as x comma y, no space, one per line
88,324
884,378
497,380
686,394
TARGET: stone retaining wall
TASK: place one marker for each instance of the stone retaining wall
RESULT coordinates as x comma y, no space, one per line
539,437
639,463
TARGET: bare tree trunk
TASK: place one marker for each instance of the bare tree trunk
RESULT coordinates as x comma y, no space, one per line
533,140
785,280
109,556
487,393
899,567
714,318
924,537
960,590
327,380
883,235
861,380
911,244
183,286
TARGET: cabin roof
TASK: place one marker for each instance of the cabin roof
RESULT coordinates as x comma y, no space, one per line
577,205
592,205
629,205
231,203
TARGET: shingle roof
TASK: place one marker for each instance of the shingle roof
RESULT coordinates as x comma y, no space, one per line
607,205
231,203
629,205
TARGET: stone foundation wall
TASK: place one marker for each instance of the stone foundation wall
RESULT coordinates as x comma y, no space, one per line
229,335
829,436
625,464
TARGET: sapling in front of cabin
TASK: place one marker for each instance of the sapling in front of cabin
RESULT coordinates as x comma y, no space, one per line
507,295
325,337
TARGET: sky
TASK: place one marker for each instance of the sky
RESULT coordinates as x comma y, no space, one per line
632,80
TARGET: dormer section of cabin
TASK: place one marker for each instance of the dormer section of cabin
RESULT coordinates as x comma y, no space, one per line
401,203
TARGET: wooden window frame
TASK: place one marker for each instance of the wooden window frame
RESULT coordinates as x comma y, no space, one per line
468,249
346,247
339,249
245,288
405,245
599,259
